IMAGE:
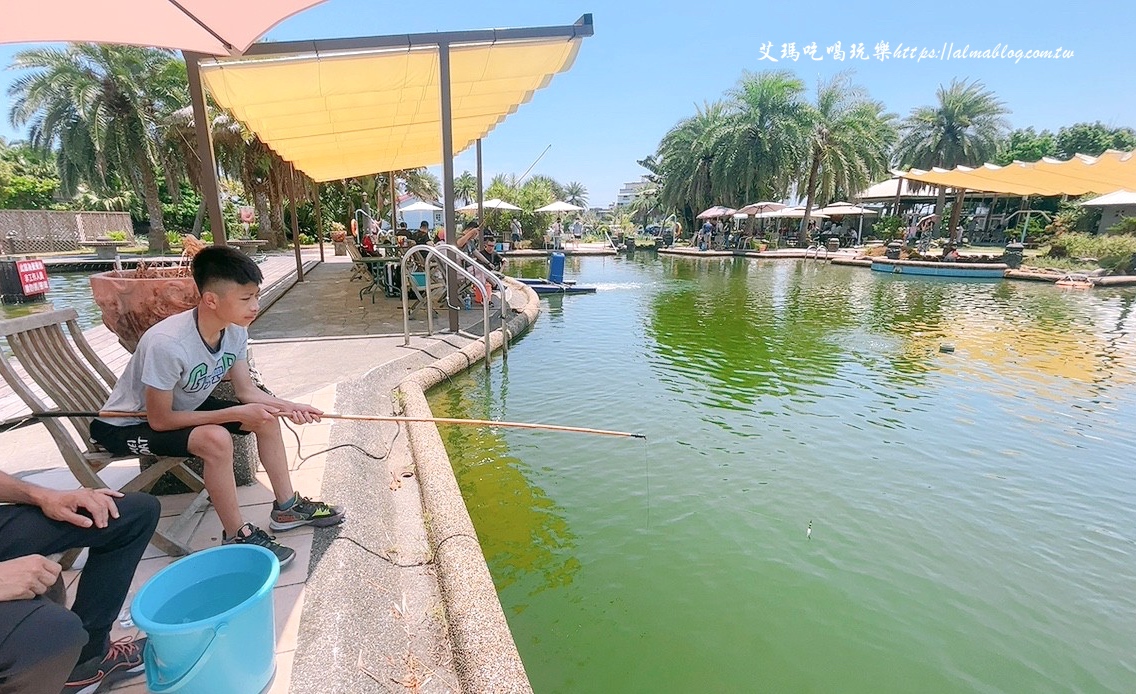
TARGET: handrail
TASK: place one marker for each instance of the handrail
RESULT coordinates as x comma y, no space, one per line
818,248
436,253
359,228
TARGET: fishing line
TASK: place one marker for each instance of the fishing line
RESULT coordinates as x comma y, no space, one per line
301,459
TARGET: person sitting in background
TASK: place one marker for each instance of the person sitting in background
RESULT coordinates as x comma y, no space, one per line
487,255
370,241
41,641
950,253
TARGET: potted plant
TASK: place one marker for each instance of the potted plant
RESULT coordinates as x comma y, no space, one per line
133,300
339,238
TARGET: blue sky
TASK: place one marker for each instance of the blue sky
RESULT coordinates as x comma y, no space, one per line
649,63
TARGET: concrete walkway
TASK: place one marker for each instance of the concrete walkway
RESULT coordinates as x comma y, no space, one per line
361,608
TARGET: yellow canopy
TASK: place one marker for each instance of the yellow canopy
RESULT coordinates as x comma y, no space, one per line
1080,175
359,112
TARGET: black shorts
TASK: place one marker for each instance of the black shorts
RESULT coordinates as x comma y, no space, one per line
140,439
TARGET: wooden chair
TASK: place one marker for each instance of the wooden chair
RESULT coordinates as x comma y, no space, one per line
74,378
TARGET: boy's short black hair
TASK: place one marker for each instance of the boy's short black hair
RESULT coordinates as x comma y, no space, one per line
224,263
472,224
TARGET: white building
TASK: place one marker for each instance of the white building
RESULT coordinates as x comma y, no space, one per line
628,192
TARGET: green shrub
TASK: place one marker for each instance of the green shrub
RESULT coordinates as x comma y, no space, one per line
116,235
1126,225
173,238
1115,253
207,237
888,228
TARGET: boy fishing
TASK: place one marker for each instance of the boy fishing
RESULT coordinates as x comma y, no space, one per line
171,376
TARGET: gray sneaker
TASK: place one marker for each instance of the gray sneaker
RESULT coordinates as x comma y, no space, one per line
249,534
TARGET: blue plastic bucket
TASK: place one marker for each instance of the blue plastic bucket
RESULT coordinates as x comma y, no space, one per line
210,622
556,268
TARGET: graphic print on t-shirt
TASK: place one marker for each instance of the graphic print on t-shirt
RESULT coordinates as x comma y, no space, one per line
199,376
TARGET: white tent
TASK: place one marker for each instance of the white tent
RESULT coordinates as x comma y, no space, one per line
838,209
1120,198
419,206
490,204
559,206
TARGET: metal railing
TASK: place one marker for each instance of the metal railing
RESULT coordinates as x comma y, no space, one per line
449,256
361,216
815,250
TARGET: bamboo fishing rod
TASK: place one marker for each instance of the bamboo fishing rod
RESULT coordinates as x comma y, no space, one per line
110,414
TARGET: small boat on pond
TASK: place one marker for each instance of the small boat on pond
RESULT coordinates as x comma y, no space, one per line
934,268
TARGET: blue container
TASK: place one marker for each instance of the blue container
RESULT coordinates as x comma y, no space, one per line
556,268
210,623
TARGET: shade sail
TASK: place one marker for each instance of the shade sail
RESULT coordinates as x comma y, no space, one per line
358,112
1080,175
213,27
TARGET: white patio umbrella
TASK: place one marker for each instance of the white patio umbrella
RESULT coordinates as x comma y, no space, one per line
559,206
201,26
490,204
791,213
716,211
837,209
756,208
419,206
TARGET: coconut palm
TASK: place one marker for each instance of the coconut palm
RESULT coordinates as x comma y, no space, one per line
645,202
849,141
465,187
102,108
576,194
963,129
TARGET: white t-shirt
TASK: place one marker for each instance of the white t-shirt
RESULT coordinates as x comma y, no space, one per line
172,356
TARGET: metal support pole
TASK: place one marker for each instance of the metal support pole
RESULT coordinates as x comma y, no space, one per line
898,196
209,188
394,205
480,193
295,223
448,179
319,221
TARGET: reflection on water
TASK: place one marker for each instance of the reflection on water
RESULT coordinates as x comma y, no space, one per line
971,511
68,290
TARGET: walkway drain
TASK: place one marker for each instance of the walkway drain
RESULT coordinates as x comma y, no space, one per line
407,474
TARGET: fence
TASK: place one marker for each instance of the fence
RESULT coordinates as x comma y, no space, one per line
47,231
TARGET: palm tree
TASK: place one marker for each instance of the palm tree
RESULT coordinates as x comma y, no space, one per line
645,202
685,157
764,139
465,187
576,194
964,129
849,141
102,108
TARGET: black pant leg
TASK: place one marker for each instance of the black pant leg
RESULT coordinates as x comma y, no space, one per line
114,554
40,643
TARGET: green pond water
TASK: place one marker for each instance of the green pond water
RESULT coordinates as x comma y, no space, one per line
973,524
68,290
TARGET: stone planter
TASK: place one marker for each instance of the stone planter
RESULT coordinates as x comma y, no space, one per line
340,248
130,305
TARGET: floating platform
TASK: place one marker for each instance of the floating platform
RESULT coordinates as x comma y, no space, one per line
542,286
930,268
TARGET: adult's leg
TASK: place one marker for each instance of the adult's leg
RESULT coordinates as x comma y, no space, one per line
114,554
40,643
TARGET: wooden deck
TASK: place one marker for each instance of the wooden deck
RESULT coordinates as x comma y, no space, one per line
279,276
